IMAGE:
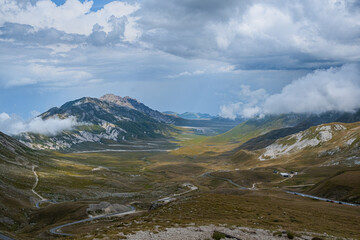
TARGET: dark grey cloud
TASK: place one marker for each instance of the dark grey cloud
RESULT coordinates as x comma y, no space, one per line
23,33
99,37
246,34
255,34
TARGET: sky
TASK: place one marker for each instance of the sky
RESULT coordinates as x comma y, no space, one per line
233,58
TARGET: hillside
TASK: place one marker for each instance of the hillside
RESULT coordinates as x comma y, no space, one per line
326,158
306,121
16,181
343,186
327,144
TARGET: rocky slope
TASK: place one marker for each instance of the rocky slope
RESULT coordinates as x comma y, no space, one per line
132,103
282,126
330,144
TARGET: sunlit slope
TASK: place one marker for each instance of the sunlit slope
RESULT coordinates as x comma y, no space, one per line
325,145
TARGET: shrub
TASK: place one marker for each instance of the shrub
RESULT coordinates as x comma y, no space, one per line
218,235
290,235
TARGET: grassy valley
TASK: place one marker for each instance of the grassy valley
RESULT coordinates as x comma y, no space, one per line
232,188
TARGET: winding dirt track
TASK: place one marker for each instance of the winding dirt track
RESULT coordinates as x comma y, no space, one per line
208,174
36,183
57,230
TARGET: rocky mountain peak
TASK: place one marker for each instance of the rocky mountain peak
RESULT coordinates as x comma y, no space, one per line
124,102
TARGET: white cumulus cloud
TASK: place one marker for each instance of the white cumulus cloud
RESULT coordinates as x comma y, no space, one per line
248,107
13,125
333,89
71,17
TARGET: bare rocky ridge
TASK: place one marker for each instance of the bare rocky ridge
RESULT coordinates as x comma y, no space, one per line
136,105
118,100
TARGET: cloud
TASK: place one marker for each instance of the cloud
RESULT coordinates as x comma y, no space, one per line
51,76
248,107
72,17
230,111
244,34
13,125
197,72
333,89
255,34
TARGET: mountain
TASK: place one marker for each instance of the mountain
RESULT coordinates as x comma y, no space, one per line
109,119
326,145
136,105
303,122
191,116
326,157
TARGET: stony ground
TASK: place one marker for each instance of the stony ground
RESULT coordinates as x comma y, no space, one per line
206,232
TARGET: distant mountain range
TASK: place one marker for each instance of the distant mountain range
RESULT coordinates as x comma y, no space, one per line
191,116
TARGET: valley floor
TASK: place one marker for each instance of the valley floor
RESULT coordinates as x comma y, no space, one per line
167,194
